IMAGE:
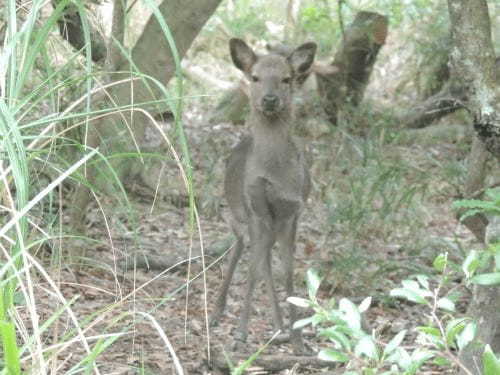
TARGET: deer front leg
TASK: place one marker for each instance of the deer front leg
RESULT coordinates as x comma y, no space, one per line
262,238
271,290
286,239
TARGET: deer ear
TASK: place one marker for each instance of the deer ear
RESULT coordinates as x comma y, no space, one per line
302,58
242,55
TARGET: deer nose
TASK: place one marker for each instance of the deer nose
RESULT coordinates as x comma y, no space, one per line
270,100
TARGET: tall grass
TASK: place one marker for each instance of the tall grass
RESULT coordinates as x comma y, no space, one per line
31,138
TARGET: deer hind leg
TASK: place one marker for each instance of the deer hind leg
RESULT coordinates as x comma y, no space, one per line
221,302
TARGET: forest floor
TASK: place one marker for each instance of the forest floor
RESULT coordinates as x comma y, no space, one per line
379,212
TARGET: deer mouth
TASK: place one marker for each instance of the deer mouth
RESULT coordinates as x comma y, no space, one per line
270,105
271,110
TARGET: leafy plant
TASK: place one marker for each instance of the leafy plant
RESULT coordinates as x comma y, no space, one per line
30,137
318,23
444,333
490,258
247,18
449,333
376,190
366,353
362,352
490,206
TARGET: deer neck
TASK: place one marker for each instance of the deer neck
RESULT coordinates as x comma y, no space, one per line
266,129
272,141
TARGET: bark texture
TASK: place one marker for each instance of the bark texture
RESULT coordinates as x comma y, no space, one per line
476,174
473,60
353,64
151,56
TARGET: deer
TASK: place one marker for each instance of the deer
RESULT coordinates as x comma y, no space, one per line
267,179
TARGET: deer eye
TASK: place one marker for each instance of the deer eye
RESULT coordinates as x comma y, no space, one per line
286,80
255,79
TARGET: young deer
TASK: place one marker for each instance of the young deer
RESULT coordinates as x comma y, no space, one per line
267,181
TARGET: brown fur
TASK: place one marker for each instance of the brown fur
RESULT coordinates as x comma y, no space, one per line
267,181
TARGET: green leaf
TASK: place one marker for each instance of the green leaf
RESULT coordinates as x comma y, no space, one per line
414,286
367,347
313,280
471,263
430,335
446,304
318,319
441,361
408,294
395,342
338,337
475,206
421,355
302,322
365,304
412,364
467,335
350,313
491,364
10,348
469,213
453,328
401,357
297,301
332,356
410,284
487,279
433,331
440,262
424,281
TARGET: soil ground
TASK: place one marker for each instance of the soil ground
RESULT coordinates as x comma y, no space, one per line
358,258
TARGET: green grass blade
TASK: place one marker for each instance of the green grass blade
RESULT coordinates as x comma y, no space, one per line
10,349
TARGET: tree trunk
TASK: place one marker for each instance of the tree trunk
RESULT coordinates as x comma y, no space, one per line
151,56
473,60
474,183
354,62
71,29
